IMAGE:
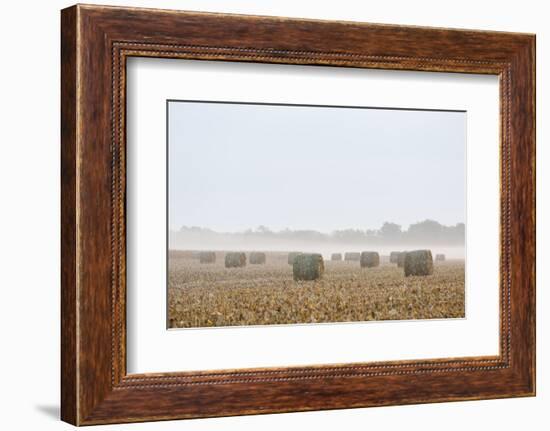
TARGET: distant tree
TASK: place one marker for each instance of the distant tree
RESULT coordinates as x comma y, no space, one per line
350,235
427,230
455,233
263,229
194,229
390,231
308,235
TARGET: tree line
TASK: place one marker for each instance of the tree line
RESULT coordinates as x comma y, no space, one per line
427,231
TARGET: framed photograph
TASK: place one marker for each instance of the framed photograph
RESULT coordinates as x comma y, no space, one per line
265,214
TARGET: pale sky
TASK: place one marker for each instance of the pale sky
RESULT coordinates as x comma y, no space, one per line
237,166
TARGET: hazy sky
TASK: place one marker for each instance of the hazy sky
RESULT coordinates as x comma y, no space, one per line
237,166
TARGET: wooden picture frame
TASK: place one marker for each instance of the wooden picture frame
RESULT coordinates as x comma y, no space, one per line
95,43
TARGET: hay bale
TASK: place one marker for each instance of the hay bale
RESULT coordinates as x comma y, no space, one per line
308,266
291,256
440,257
207,257
394,256
352,256
235,260
336,256
369,259
418,262
256,258
401,259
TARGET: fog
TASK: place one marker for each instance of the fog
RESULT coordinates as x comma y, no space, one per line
310,241
233,166
451,252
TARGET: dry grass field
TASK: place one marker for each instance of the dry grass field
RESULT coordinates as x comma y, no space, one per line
201,295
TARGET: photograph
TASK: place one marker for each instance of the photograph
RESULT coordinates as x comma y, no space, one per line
305,214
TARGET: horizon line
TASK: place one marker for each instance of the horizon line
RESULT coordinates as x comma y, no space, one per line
268,229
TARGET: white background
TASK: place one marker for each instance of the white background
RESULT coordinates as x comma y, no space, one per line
29,228
151,348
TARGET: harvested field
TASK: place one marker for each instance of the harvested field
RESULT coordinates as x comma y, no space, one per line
211,295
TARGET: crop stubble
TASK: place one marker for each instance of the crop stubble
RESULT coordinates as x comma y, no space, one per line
206,295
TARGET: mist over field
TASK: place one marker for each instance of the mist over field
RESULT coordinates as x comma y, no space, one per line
427,234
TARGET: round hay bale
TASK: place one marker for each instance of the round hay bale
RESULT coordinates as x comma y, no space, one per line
352,256
207,257
401,259
418,262
394,256
369,259
256,258
235,260
308,267
440,257
336,256
291,256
